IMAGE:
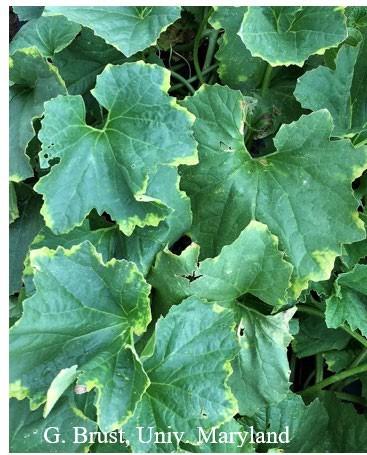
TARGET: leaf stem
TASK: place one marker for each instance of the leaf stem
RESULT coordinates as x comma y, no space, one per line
183,81
211,48
360,357
193,78
351,398
319,368
266,80
316,312
333,379
197,44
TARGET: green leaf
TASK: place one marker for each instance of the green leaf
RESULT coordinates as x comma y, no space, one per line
307,424
26,13
349,303
34,82
22,232
355,251
340,90
13,203
129,28
315,338
171,274
95,335
252,264
237,68
104,240
288,190
48,34
347,430
261,371
121,156
340,360
188,371
28,429
224,439
85,58
289,35
144,243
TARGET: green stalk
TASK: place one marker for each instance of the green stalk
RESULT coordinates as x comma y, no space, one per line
360,357
319,368
211,48
183,81
351,398
333,379
316,312
194,78
266,80
197,44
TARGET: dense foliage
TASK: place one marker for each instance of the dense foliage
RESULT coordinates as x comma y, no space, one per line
187,226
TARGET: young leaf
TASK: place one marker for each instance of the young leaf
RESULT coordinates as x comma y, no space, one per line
286,190
64,324
289,35
129,28
121,156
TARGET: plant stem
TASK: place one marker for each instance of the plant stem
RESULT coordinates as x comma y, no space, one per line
183,81
193,78
360,357
197,44
335,378
319,368
309,378
211,48
266,79
316,312
351,398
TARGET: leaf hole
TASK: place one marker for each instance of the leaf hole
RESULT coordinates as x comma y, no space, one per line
182,243
225,147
